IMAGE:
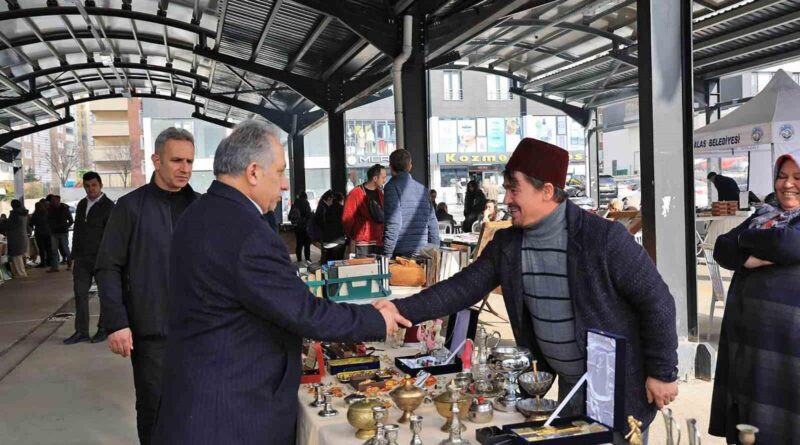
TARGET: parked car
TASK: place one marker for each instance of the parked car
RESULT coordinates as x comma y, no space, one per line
608,189
579,198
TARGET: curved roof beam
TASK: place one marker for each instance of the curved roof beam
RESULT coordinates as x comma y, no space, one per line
34,128
572,27
105,76
486,70
106,12
92,65
311,89
156,39
541,49
278,118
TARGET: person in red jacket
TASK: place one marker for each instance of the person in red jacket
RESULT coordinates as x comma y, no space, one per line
362,217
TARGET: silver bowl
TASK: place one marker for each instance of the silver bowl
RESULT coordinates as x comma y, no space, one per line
509,358
537,386
536,409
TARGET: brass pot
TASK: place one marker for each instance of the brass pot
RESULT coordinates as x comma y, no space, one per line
408,398
444,404
359,415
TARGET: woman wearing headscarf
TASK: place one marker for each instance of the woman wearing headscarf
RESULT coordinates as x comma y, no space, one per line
758,365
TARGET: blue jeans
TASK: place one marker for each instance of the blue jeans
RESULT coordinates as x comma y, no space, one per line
60,242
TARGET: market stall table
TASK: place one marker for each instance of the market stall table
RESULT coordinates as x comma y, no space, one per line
469,241
315,430
719,225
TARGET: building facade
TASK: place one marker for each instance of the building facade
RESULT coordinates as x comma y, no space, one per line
474,125
116,139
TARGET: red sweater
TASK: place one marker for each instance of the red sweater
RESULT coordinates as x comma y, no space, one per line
358,223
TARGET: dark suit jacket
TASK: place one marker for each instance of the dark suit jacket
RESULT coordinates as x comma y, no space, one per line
88,230
237,316
614,287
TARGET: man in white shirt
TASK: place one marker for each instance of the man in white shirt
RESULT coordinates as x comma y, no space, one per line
91,217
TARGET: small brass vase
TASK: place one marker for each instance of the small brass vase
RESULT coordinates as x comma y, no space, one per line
407,397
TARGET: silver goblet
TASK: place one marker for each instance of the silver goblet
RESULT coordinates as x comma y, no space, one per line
512,361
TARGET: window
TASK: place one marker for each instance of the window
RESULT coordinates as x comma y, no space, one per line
497,88
452,85
452,174
736,168
369,137
576,135
318,180
28,154
759,80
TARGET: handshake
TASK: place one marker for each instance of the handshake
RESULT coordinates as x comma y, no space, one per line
391,316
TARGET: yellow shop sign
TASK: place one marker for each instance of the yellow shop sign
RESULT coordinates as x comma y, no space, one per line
476,158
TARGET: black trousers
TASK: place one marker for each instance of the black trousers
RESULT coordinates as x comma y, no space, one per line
333,253
82,275
303,244
45,250
147,358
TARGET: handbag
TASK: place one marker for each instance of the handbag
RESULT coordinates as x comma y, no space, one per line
375,209
406,272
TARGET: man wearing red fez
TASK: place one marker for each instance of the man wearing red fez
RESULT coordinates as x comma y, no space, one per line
563,271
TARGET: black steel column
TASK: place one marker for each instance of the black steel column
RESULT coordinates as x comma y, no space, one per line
712,96
665,116
415,106
523,109
336,151
297,143
19,179
592,183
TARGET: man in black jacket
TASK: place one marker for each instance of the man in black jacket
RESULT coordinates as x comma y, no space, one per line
727,188
564,271
60,220
91,217
133,272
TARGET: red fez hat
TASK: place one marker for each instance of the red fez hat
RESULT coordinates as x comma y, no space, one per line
540,160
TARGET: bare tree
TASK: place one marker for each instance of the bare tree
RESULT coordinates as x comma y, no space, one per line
121,155
63,160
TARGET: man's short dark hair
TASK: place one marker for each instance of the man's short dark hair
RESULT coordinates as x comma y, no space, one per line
559,195
711,175
171,133
374,171
400,160
88,176
49,197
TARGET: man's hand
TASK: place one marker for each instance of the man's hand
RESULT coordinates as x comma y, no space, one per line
662,393
391,316
121,342
753,262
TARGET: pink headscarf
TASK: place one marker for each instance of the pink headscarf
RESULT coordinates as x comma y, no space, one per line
770,216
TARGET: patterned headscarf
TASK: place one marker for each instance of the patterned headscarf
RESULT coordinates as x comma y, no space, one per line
771,216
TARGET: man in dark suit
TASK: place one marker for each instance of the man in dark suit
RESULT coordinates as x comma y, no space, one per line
238,311
91,217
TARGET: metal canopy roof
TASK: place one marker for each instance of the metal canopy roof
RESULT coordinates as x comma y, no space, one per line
232,60
277,59
582,53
